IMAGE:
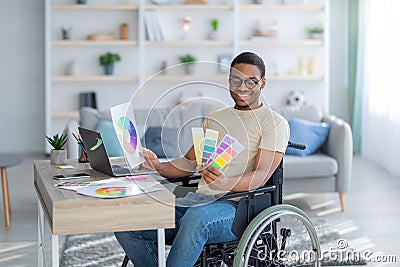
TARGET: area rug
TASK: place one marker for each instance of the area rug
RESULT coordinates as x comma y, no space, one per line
103,249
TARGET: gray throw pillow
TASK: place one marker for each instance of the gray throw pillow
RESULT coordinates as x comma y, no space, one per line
162,141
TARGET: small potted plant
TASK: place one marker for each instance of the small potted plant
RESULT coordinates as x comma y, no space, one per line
188,60
58,154
107,60
315,32
214,32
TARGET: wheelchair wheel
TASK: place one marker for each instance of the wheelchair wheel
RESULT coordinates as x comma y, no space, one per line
281,235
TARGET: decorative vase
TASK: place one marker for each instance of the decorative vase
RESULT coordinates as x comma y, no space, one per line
58,157
73,68
109,69
80,2
189,68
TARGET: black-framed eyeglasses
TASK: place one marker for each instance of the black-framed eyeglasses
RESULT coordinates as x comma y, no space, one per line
249,83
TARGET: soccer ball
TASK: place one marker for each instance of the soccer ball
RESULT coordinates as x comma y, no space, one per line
296,99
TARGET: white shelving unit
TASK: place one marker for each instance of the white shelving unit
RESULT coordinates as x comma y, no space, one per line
142,58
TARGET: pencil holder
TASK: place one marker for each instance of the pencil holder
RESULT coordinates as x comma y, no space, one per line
83,158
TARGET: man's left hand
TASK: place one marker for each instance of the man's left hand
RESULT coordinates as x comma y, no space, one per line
215,179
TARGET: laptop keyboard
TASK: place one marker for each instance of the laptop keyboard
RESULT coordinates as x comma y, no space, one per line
117,169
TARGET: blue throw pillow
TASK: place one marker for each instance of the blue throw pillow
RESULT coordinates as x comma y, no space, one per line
311,134
110,139
162,141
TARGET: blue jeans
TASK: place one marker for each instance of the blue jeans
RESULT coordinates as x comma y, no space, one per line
194,227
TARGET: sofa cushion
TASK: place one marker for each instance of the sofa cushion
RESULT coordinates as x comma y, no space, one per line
311,134
316,165
162,141
308,112
90,117
110,139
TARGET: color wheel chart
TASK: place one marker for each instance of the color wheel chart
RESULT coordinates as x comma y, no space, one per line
127,134
126,129
115,191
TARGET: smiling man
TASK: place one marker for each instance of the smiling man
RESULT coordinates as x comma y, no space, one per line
264,135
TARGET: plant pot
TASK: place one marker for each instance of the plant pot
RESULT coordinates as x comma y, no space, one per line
109,69
189,68
58,157
315,35
213,35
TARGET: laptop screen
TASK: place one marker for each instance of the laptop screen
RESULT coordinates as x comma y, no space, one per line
96,151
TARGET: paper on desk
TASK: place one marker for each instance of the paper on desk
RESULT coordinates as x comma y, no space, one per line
115,190
62,167
74,185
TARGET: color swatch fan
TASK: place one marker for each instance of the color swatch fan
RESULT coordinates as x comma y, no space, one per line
125,128
207,151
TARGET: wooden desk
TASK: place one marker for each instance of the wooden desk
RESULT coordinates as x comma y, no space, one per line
68,212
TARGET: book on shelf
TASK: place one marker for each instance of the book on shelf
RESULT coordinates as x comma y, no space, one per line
153,28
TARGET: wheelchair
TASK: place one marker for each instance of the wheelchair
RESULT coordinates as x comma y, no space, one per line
270,234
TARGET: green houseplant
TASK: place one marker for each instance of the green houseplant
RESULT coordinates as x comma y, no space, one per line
214,24
315,32
188,60
107,60
58,155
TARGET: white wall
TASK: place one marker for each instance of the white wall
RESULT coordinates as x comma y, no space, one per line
22,73
21,76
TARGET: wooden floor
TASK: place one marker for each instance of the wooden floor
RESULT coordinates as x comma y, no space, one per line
372,205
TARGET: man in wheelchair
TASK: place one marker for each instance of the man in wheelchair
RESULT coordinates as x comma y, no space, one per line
262,132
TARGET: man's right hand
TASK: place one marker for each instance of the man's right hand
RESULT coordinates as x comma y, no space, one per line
151,160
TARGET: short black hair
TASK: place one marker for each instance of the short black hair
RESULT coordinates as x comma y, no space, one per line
250,58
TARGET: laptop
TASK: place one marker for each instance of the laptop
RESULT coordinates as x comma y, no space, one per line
98,157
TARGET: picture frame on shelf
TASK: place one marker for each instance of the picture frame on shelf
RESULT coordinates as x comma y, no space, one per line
224,62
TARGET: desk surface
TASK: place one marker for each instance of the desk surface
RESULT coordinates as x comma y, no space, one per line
71,213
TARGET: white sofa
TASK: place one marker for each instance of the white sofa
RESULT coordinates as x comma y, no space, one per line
328,170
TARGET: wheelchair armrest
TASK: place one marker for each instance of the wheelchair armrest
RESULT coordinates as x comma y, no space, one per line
186,181
264,189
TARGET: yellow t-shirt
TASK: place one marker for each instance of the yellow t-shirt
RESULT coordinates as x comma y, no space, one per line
254,129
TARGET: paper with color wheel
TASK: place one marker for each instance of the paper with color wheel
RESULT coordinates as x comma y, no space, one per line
125,128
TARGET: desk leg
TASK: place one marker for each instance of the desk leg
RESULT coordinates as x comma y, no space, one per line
54,251
40,236
161,247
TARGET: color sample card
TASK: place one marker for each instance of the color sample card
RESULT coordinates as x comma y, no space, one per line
210,143
226,142
226,156
198,142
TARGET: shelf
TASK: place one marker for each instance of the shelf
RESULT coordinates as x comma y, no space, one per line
93,43
104,78
283,7
194,77
65,114
190,43
277,42
95,7
224,77
196,7
296,78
